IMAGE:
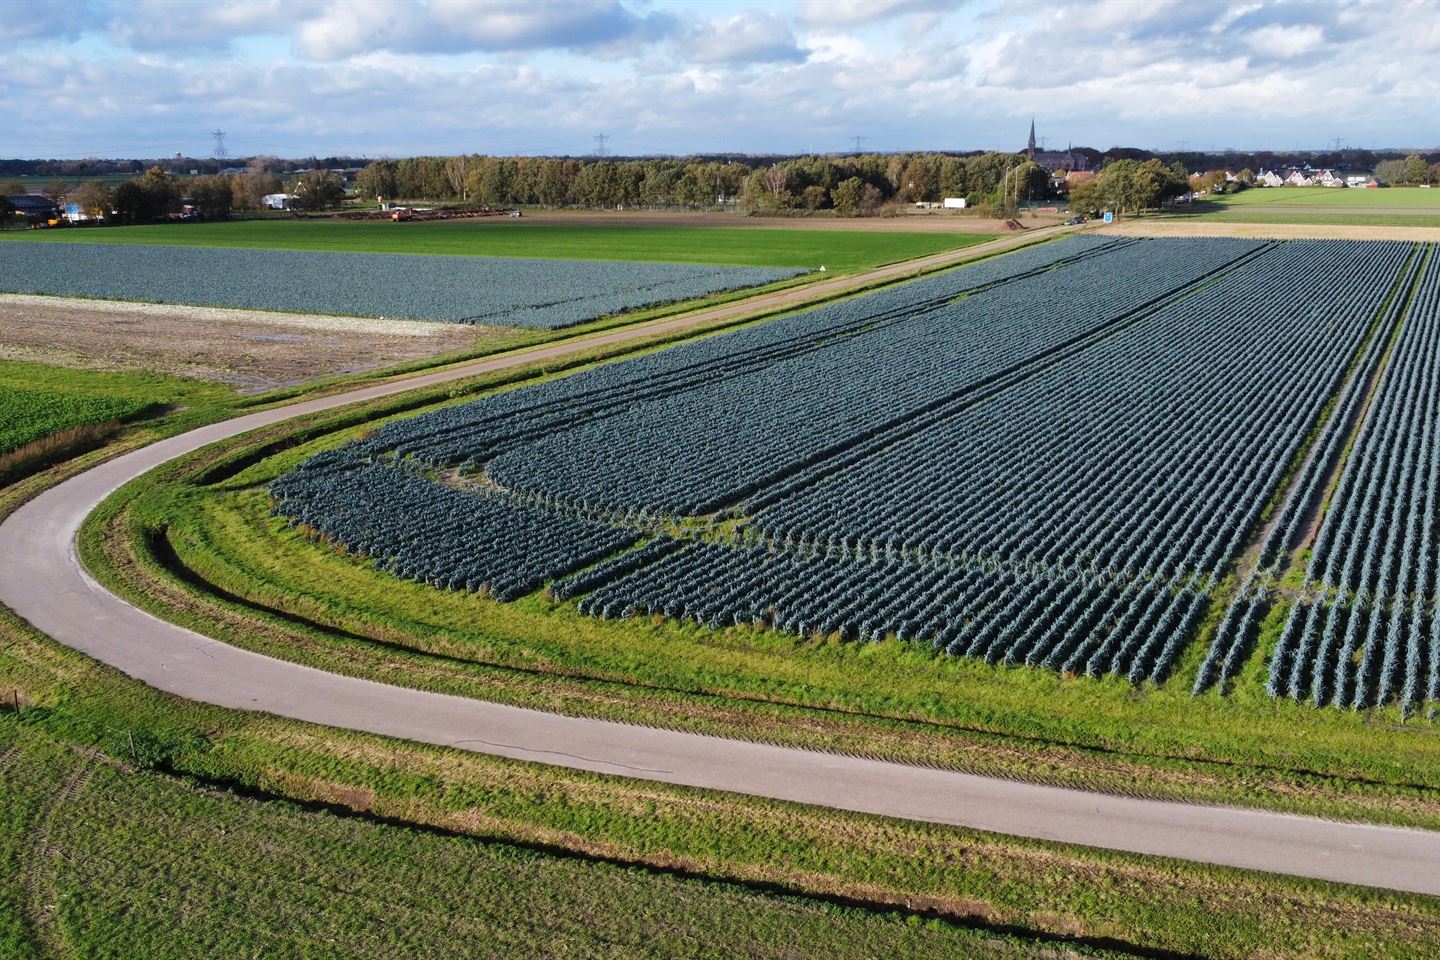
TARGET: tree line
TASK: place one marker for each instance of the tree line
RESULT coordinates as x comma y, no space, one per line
1412,171
847,185
1129,186
157,194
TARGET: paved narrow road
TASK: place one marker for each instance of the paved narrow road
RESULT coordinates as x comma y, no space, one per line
42,580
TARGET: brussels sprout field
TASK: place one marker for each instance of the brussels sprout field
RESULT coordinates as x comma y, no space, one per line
1064,458
496,291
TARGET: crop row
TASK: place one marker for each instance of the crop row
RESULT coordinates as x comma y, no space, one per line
725,440
1048,459
474,433
1238,629
1077,519
496,291
422,530
1365,629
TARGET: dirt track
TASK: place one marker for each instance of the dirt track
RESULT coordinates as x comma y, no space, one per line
1274,231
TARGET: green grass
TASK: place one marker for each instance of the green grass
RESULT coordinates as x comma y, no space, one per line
36,183
1278,215
37,399
107,861
839,251
126,841
1332,197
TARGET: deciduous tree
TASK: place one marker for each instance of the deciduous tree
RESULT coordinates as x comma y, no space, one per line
93,199
318,190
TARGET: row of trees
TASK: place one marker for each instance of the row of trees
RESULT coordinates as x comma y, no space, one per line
1412,171
848,185
1129,186
156,194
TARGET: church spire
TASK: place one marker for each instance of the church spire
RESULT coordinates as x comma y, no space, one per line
1030,147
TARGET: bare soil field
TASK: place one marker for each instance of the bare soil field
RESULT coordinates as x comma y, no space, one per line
252,350
907,221
1275,231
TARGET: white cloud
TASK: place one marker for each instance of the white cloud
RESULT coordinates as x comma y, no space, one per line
661,78
750,37
1286,42
351,27
849,13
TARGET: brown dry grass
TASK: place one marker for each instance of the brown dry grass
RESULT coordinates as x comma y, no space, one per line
251,349
51,449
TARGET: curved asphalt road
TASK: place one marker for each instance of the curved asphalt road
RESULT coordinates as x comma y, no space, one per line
42,580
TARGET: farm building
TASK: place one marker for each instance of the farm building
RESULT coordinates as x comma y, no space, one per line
277,201
34,207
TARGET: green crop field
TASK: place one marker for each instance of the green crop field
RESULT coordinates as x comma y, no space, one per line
1389,207
840,251
37,184
1388,197
37,400
1281,214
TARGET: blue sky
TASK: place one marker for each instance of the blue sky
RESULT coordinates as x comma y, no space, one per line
398,77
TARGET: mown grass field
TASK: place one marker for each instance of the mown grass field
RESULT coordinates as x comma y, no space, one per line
113,833
1391,206
109,861
836,250
1332,197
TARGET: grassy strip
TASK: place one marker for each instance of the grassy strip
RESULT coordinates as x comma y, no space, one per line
1280,215
125,863
212,558
1329,197
844,251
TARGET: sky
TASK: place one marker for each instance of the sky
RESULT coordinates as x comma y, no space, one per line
151,78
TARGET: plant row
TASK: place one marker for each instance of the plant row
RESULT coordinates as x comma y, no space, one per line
494,291
422,530
711,445
1365,628
1078,519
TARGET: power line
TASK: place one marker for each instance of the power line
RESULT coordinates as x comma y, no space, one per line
219,136
859,141
600,139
